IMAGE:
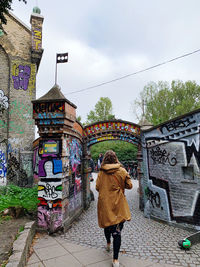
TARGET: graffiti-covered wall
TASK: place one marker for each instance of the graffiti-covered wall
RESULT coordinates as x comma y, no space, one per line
18,70
57,162
171,169
60,181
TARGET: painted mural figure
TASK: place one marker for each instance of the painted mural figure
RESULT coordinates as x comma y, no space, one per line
113,209
21,77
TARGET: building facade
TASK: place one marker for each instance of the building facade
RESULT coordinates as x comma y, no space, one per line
20,55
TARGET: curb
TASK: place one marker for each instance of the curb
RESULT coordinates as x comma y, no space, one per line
21,246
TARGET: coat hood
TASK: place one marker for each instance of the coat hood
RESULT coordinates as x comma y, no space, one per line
110,168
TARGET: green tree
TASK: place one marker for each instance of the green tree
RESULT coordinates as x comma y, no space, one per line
102,111
124,151
5,6
162,101
79,118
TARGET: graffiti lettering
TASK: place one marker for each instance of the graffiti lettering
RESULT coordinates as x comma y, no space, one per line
154,198
47,107
50,191
49,115
49,122
177,125
36,39
161,157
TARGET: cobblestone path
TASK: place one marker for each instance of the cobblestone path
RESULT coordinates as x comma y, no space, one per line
142,238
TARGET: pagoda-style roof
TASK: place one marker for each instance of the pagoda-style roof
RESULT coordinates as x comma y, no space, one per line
54,94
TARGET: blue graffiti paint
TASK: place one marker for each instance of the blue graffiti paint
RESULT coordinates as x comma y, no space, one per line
49,122
3,164
57,166
49,115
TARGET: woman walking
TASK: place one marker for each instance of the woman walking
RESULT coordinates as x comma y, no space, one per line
112,207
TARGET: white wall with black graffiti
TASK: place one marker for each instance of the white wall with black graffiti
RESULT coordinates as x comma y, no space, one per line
173,160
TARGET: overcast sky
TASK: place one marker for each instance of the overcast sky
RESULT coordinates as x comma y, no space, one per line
107,39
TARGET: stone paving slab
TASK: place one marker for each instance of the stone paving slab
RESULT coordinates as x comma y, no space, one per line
72,248
90,256
47,241
63,261
50,252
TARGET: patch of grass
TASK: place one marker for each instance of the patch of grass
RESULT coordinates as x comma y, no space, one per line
4,217
17,198
21,229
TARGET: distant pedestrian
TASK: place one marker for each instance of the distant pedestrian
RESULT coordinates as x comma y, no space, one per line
100,159
113,209
91,165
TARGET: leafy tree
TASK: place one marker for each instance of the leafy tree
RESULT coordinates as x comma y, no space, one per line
79,118
125,151
161,101
5,6
102,111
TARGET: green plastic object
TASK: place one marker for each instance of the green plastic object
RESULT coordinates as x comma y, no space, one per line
186,243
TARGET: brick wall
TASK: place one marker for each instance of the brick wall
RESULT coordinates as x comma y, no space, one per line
18,89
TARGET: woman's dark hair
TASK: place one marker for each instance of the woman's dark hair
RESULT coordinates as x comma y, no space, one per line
110,158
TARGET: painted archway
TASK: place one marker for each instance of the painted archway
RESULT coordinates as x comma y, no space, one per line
111,130
115,130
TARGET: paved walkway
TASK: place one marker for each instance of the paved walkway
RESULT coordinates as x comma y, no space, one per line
56,252
145,242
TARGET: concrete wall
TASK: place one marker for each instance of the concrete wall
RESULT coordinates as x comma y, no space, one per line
171,169
17,90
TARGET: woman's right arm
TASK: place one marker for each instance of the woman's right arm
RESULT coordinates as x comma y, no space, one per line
127,183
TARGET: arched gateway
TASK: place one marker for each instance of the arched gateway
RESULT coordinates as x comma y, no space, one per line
111,130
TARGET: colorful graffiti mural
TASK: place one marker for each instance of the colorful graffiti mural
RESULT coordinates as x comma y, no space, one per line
60,181
114,130
23,75
111,126
75,180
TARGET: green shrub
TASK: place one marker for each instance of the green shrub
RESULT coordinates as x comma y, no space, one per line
12,196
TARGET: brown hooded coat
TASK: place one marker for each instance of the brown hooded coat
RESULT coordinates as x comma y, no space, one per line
112,205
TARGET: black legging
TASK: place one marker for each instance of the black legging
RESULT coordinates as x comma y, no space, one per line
115,230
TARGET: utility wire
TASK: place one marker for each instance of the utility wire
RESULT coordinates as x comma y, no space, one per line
134,73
